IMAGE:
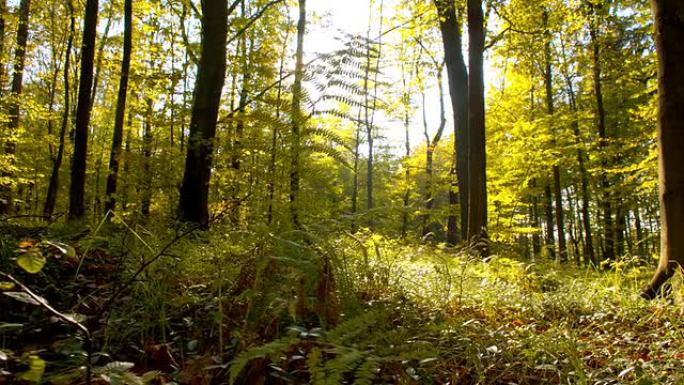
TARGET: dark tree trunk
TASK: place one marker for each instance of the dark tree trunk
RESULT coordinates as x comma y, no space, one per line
13,107
120,114
78,164
551,110
589,254
639,233
477,216
296,114
53,186
274,135
608,228
670,46
146,199
194,199
450,27
432,144
548,215
534,213
3,14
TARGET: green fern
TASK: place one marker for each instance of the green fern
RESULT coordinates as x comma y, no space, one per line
271,350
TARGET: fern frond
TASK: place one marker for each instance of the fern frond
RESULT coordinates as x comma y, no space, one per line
271,350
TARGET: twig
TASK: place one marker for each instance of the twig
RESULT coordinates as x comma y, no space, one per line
66,318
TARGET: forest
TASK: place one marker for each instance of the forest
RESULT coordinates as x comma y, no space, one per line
341,192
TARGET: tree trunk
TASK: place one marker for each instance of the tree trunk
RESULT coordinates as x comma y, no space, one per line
13,108
53,186
272,177
551,110
477,216
120,114
608,230
670,46
194,199
450,27
550,239
146,199
3,14
296,115
534,212
78,164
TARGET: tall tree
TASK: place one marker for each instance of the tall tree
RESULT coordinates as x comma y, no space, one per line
606,204
296,116
450,27
211,70
14,103
551,109
3,14
669,26
78,164
477,196
53,186
120,114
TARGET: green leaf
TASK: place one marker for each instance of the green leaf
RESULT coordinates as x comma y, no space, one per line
36,369
6,285
63,248
32,262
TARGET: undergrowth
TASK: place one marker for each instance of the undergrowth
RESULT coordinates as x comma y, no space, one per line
330,307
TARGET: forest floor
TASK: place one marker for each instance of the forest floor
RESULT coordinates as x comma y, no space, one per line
250,308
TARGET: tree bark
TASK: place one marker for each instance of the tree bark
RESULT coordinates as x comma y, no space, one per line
606,204
296,115
477,216
53,186
450,27
669,26
194,199
13,108
78,164
120,114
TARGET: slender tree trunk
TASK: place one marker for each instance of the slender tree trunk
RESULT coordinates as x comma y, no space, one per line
432,144
550,239
450,27
534,208
551,110
477,216
355,178
126,161
670,46
296,115
100,55
641,250
369,110
211,71
120,114
78,164
3,15
608,230
274,135
588,250
146,199
14,104
240,127
53,186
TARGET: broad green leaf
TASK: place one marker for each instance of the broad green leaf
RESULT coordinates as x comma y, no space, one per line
31,262
36,369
